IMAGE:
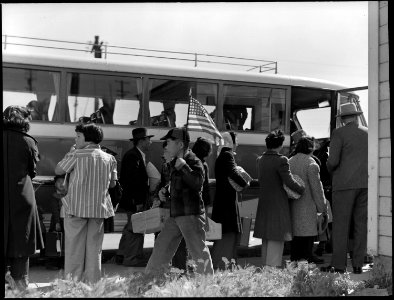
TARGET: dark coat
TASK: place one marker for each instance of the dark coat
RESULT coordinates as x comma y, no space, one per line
225,207
22,232
206,196
134,181
186,187
273,221
348,158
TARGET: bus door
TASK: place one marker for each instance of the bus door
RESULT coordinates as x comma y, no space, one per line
311,110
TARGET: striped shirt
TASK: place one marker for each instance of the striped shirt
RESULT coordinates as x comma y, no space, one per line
91,170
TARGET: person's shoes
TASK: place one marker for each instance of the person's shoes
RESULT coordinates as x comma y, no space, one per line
357,270
316,260
331,269
119,259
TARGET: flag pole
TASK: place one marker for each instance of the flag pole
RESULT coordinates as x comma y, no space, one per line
188,109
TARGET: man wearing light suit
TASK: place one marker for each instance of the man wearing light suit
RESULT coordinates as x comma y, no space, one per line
348,165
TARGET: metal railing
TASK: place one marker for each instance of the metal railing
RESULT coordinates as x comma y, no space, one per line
251,64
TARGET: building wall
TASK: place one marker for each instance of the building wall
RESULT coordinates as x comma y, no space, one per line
379,152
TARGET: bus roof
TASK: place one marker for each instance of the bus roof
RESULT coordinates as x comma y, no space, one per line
165,69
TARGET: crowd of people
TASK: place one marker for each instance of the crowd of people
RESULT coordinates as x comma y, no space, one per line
86,173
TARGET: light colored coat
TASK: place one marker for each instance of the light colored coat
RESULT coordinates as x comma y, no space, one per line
304,210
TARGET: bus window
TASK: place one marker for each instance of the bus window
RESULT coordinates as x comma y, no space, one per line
206,94
117,98
169,100
315,122
254,108
278,109
38,90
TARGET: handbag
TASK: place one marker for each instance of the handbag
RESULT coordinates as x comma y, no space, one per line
290,193
322,224
54,244
244,175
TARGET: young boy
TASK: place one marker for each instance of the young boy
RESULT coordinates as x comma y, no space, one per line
187,213
87,203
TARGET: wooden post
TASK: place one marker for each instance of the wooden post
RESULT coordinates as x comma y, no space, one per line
373,129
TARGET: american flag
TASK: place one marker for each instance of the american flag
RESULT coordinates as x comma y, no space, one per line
200,121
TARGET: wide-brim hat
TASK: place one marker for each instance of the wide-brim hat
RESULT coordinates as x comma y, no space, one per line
140,133
348,109
177,133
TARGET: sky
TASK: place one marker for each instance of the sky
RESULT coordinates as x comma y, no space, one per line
325,40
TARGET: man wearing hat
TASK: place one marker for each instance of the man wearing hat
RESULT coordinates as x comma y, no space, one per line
134,181
187,213
348,165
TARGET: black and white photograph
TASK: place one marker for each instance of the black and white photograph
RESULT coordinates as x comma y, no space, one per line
196,149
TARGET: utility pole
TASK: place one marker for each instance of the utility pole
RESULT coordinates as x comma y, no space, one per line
97,47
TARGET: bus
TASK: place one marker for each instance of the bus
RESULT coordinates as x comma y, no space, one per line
123,95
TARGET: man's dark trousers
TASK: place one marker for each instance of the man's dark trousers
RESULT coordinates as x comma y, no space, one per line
131,244
348,204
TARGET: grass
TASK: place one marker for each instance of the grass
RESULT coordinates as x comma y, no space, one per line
235,281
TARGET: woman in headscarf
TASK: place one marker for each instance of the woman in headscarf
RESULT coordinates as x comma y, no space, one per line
225,205
304,210
22,232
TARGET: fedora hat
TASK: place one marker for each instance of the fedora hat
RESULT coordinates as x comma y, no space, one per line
348,109
139,133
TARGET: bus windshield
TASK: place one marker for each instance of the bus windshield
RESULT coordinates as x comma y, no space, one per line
316,122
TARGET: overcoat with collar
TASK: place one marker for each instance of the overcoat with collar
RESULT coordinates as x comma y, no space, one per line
304,210
348,157
225,206
134,180
22,231
273,221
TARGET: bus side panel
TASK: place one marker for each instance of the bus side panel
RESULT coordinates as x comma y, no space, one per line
51,150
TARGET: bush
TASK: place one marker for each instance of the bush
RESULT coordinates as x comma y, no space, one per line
380,278
315,283
236,281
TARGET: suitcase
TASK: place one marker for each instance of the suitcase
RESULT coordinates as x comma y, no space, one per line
54,244
149,221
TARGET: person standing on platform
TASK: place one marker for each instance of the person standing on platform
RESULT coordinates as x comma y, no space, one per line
87,203
348,164
225,206
304,210
22,231
135,183
187,213
273,219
